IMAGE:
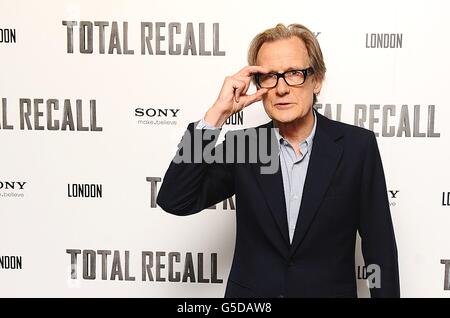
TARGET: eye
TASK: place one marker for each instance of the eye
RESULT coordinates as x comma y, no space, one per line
264,77
295,73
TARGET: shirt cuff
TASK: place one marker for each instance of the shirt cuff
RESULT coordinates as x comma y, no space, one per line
202,124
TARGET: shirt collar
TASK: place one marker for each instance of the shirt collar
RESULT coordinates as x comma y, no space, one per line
309,140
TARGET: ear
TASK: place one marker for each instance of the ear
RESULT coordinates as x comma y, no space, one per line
317,86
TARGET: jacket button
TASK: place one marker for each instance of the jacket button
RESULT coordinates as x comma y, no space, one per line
280,296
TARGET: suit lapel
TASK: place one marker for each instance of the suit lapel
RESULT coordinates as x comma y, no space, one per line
325,156
272,187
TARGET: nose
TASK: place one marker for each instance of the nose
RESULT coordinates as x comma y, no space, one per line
282,87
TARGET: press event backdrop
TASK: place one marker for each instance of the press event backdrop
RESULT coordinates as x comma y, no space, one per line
95,96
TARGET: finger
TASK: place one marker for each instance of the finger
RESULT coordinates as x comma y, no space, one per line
248,78
246,81
238,87
252,69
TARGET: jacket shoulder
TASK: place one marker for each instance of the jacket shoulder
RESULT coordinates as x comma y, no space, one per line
349,130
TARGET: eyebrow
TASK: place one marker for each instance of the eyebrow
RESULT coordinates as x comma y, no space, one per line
288,69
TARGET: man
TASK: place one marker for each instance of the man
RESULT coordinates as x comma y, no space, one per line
296,228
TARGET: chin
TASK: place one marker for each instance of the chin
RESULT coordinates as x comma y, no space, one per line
284,116
284,119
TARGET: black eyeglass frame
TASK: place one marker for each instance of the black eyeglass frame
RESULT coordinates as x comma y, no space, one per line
306,72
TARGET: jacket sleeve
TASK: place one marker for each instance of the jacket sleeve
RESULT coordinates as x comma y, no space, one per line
375,225
191,183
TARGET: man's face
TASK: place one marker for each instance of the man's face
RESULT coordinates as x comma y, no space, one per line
284,103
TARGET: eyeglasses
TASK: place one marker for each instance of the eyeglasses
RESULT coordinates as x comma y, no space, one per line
292,78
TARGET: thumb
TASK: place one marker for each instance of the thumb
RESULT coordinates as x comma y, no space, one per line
256,97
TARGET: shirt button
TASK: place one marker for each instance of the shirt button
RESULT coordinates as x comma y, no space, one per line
295,197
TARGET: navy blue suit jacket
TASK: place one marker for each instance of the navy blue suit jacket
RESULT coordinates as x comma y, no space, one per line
345,192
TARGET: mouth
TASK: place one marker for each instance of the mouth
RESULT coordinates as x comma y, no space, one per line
283,105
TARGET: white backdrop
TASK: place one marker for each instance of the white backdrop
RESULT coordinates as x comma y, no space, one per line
42,223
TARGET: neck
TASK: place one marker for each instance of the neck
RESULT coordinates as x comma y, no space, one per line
298,130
